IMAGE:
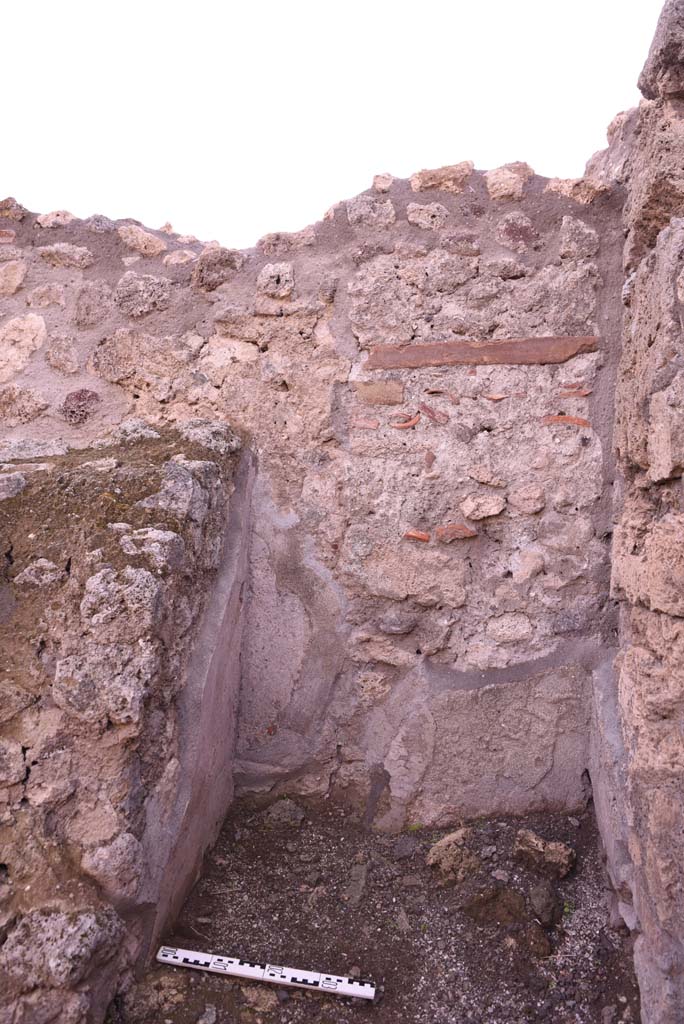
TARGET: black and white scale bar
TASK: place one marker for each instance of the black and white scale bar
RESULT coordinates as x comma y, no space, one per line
332,984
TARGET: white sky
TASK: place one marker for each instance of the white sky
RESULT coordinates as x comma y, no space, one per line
231,119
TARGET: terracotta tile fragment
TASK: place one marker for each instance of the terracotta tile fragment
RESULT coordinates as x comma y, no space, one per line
434,414
407,423
508,351
453,531
571,421
417,535
380,392
430,459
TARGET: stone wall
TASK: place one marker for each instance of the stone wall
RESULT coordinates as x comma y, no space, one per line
430,526
116,747
648,573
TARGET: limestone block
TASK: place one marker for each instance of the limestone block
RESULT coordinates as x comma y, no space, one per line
55,219
140,294
276,280
581,190
19,337
11,209
528,499
39,573
118,866
370,211
107,682
515,231
144,242
163,549
508,182
12,275
63,254
20,405
382,182
480,505
648,566
431,216
138,360
93,304
452,178
215,267
61,355
666,432
179,257
12,766
656,192
56,949
577,239
50,294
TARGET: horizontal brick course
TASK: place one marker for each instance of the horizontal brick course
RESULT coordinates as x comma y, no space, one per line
509,351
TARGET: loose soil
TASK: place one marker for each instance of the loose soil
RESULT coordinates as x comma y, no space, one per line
327,894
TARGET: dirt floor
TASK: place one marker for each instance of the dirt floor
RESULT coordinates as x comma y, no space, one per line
499,943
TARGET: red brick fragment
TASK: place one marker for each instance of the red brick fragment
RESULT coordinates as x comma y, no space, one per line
575,393
407,423
7,236
434,414
502,351
454,531
571,421
417,535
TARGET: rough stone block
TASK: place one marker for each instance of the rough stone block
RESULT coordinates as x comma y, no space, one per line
452,178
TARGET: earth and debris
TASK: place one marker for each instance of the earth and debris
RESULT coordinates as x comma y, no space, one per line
499,921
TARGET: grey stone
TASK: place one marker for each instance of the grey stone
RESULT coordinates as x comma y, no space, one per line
284,812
